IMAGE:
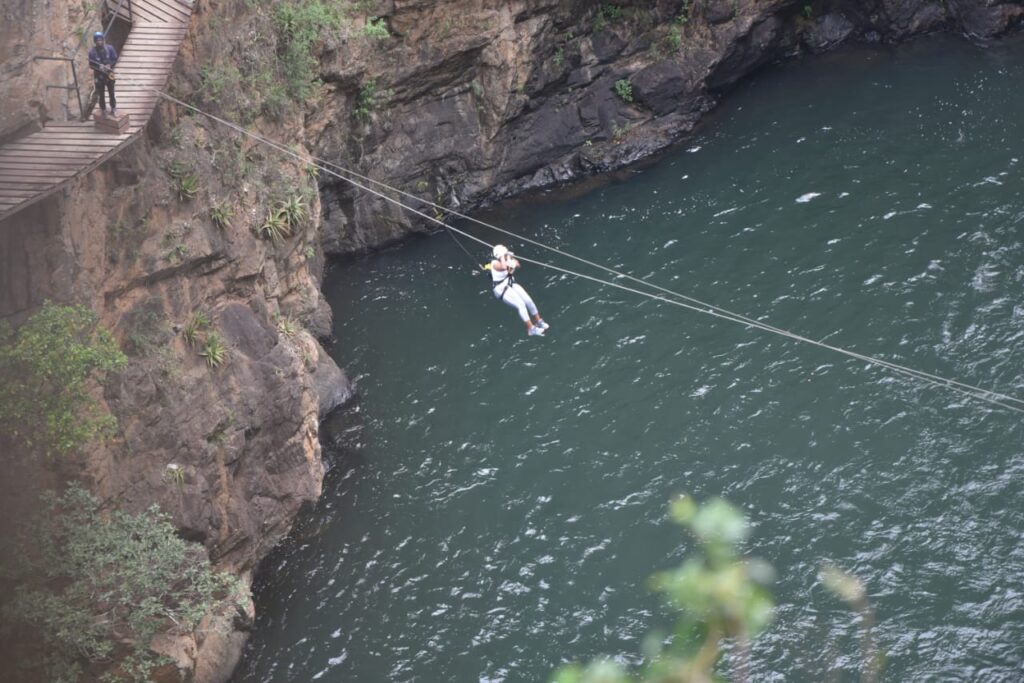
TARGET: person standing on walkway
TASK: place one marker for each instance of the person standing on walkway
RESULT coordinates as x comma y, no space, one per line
506,289
102,58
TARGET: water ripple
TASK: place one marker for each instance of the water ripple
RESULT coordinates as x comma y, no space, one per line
496,503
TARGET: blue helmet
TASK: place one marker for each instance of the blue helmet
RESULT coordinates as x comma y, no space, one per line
97,36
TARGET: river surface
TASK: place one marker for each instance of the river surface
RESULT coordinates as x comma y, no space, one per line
496,503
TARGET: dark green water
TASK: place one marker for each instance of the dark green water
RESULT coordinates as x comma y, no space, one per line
497,502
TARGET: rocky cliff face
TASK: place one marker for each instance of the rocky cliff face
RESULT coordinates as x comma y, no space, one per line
480,100
462,102
168,243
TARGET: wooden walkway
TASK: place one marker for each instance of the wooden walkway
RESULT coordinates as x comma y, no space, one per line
36,166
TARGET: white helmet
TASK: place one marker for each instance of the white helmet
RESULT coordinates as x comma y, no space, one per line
499,251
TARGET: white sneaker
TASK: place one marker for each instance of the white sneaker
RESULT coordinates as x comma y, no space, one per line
542,325
113,111
536,331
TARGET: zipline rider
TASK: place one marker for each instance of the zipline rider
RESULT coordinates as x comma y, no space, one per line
102,58
502,269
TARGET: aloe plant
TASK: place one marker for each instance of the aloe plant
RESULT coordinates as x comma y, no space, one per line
215,351
276,227
221,215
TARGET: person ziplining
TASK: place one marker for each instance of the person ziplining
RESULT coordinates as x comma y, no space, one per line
506,289
651,290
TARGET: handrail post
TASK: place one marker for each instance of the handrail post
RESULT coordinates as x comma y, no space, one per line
78,90
74,75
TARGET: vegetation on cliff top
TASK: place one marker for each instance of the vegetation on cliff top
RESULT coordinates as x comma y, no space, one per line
280,68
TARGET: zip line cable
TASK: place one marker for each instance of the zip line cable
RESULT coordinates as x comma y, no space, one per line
476,266
970,391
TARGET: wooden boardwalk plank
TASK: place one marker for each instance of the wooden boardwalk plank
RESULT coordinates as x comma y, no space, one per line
179,11
171,10
63,170
156,12
143,13
65,156
37,165
142,31
56,151
49,177
56,146
12,193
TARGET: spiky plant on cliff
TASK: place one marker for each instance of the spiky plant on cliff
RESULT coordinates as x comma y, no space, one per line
221,215
275,227
294,211
214,350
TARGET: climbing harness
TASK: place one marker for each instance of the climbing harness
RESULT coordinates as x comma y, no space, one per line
508,281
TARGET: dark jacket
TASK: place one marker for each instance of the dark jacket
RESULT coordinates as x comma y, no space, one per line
107,56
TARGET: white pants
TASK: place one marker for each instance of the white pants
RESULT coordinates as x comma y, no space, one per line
516,297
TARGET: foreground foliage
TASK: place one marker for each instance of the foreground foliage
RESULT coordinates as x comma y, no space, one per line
724,603
721,596
97,587
45,370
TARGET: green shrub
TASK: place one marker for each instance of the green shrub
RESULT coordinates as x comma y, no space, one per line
220,84
370,98
606,14
187,186
45,370
275,102
287,326
275,227
197,324
674,39
221,215
376,29
300,27
95,587
684,13
184,181
624,89
294,211
178,252
175,474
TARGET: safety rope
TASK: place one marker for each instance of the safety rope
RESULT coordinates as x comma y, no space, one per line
970,391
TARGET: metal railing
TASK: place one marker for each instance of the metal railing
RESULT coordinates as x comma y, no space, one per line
102,7
74,75
116,13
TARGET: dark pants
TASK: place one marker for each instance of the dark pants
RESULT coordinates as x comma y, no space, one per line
103,86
